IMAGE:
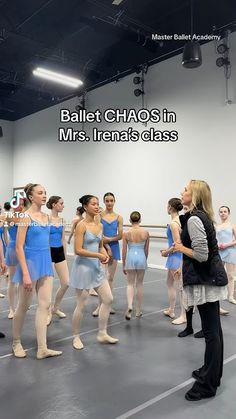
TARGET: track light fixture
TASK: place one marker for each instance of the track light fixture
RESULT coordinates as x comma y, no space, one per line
137,80
222,48
192,56
222,61
138,92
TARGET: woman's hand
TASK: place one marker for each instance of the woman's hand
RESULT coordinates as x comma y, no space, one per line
178,247
27,282
124,271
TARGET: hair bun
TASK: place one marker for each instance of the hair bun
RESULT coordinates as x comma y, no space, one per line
84,200
27,187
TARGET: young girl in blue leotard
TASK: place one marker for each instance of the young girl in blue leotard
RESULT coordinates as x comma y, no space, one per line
134,257
174,261
58,253
2,270
34,271
88,271
113,231
226,236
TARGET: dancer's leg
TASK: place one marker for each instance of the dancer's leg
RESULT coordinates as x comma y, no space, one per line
182,318
63,275
44,294
24,301
111,269
139,288
104,292
82,296
230,269
170,312
11,292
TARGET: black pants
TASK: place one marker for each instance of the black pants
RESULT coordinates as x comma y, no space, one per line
212,370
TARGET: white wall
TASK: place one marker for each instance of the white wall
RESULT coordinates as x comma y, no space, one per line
143,176
6,162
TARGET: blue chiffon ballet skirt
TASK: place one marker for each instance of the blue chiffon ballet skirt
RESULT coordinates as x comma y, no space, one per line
110,230
174,260
11,258
37,253
2,238
88,272
226,236
136,258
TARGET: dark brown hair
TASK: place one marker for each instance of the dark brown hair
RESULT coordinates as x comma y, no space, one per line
108,194
80,210
52,200
135,217
84,200
225,206
176,204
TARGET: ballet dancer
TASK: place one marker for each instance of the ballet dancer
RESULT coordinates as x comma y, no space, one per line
11,220
58,253
226,236
34,272
2,271
174,262
134,257
88,271
205,283
75,221
4,240
113,232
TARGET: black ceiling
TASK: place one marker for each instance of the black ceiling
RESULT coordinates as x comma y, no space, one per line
92,39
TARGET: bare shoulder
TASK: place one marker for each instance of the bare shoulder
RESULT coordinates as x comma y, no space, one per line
24,221
80,227
119,218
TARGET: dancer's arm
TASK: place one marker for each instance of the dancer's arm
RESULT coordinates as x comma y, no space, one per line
5,235
3,267
64,242
229,244
146,250
124,251
120,232
79,242
73,227
103,250
20,241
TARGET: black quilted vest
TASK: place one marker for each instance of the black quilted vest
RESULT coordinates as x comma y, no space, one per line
212,271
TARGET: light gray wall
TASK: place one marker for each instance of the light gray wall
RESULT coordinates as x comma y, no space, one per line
6,161
143,176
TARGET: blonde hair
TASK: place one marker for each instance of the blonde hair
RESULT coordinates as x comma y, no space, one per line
201,197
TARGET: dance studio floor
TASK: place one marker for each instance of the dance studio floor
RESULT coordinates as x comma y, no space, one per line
145,376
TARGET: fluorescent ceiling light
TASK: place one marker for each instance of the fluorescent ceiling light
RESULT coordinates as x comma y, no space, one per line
117,2
57,77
